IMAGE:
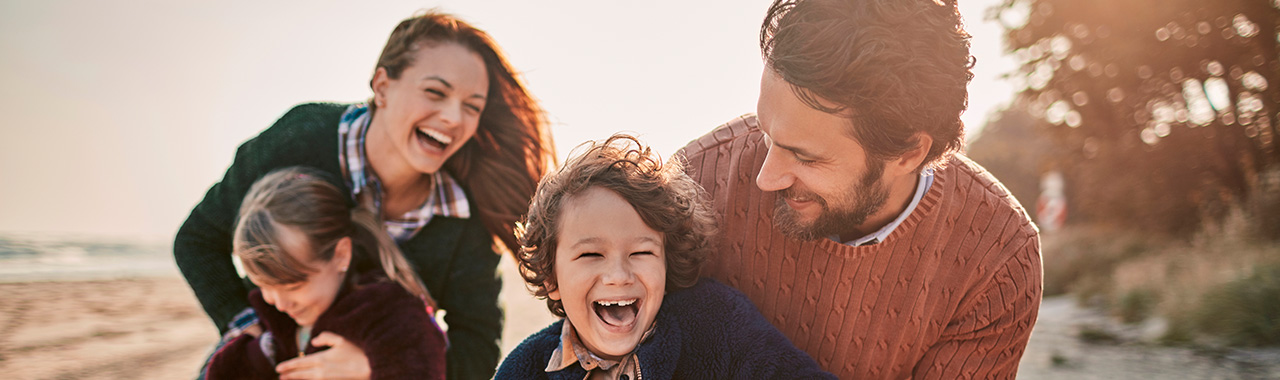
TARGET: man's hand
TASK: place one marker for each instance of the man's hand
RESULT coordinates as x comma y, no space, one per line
342,360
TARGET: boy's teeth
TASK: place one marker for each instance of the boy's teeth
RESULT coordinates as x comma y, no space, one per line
437,135
616,303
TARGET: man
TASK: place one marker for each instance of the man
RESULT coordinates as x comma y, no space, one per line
847,216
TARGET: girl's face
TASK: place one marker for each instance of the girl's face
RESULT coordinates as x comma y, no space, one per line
305,301
610,271
434,108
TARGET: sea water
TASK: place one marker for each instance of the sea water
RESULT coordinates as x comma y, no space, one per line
33,257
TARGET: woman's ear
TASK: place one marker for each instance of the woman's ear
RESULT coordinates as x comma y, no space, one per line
379,85
342,254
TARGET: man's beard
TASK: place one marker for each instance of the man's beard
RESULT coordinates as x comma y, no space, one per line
868,196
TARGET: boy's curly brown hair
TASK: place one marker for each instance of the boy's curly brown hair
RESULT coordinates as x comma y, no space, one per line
665,197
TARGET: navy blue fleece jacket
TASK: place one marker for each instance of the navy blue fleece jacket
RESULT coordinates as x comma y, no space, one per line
708,331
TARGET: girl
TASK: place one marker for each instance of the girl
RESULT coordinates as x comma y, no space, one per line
324,267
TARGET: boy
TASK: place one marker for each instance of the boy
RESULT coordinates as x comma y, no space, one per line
611,239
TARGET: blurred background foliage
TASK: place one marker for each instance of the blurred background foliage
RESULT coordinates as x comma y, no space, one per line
1162,117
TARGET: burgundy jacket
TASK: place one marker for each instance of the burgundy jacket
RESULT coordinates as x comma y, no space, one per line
393,328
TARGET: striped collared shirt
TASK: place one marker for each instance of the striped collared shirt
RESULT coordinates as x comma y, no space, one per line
922,186
447,198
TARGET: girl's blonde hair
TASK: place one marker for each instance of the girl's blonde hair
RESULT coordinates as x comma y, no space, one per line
301,198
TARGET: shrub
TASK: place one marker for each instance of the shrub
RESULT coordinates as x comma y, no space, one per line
1136,305
1244,312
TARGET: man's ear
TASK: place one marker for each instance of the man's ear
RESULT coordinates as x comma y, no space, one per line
910,161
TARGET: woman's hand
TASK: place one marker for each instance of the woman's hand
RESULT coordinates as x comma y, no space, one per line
342,360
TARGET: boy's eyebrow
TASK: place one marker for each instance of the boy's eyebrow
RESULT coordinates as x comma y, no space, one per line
594,240
649,239
589,240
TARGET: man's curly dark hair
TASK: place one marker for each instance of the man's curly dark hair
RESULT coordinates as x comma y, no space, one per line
892,67
667,200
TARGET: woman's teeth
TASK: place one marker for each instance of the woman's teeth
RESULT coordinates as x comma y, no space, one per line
441,137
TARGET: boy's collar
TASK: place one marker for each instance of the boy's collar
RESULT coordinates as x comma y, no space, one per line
571,350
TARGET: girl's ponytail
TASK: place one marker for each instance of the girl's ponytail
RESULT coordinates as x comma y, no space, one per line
397,268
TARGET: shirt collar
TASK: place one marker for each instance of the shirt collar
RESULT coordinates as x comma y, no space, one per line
571,350
922,186
447,197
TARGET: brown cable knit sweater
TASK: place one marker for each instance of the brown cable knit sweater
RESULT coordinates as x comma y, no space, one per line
952,293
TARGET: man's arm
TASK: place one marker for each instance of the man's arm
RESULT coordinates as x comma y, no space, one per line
988,338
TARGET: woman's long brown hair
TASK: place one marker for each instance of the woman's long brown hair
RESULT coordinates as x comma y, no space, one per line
512,149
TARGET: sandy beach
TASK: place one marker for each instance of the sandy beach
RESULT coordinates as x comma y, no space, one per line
147,327
144,328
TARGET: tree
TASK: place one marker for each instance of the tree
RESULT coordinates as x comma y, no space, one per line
1163,112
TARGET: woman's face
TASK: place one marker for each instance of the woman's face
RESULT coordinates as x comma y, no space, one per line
434,108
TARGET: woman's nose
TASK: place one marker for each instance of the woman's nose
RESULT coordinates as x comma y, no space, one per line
451,114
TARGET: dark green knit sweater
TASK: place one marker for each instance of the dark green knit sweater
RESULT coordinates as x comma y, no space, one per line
454,257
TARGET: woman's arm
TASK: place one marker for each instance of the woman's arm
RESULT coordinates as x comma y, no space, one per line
202,247
470,300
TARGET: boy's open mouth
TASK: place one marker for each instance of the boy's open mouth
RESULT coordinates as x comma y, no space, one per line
433,138
620,313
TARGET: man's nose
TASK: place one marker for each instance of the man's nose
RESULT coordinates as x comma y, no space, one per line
774,174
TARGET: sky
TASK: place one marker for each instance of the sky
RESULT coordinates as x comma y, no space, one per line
120,114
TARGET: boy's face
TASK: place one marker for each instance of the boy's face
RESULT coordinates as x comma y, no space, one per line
611,271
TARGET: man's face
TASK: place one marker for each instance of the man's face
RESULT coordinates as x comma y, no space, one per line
826,183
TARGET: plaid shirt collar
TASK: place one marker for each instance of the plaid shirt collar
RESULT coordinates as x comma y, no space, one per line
447,198
571,350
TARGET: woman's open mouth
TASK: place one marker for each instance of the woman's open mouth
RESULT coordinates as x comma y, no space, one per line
620,314
433,138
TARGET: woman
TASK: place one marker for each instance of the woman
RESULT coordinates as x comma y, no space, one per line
448,150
